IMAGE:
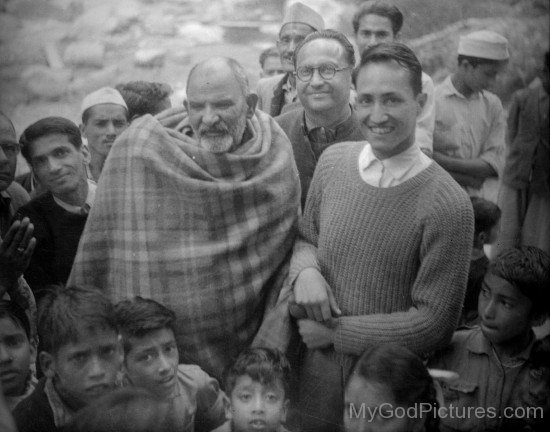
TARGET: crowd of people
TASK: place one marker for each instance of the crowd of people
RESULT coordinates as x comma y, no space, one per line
310,256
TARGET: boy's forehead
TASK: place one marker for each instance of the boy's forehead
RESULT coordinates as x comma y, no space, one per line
247,381
503,287
150,339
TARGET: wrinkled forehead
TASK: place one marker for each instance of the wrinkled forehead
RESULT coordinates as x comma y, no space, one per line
213,84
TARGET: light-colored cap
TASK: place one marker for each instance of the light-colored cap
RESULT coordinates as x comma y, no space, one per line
102,96
300,13
484,44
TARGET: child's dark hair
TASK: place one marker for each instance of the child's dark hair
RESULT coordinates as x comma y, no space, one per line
404,373
527,268
263,365
138,316
64,313
486,214
10,309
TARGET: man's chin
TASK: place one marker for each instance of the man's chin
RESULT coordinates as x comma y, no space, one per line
217,145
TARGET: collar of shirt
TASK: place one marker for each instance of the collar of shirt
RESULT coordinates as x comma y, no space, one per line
92,186
479,344
324,135
448,89
289,91
62,414
394,170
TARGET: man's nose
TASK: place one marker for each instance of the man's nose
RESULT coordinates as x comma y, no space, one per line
210,116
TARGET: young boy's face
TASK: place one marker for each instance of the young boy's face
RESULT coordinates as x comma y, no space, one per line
16,353
85,370
152,362
506,314
483,76
257,407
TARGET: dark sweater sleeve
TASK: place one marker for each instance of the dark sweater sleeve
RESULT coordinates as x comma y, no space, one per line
38,274
438,290
304,254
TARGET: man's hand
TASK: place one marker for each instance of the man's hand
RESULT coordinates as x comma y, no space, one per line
174,118
315,335
312,292
15,252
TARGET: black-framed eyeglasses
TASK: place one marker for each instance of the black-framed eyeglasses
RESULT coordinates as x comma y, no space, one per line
326,70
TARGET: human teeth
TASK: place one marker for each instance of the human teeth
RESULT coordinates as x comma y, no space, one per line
381,131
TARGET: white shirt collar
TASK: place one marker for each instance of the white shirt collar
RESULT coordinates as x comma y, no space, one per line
393,170
92,186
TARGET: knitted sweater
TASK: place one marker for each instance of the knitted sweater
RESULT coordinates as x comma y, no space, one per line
396,258
57,234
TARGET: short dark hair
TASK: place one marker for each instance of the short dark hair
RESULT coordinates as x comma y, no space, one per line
384,9
486,214
49,126
138,316
143,97
330,35
10,309
65,313
268,52
477,61
263,365
527,268
393,51
403,372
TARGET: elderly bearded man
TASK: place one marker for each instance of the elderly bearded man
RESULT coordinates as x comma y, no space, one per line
204,225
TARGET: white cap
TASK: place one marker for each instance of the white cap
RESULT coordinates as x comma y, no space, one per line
104,95
484,44
300,13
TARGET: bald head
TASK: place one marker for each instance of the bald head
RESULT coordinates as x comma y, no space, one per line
226,65
219,103
9,148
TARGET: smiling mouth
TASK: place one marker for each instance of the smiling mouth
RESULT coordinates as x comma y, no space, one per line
381,130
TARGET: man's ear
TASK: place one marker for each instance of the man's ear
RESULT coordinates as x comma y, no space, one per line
228,410
47,363
251,101
86,153
32,345
421,99
82,128
397,37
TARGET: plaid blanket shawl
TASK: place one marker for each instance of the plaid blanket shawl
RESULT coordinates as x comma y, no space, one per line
207,235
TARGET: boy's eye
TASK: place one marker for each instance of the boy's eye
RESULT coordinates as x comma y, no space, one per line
146,358
271,397
245,397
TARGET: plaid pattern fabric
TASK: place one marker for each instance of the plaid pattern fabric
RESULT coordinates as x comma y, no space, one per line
203,233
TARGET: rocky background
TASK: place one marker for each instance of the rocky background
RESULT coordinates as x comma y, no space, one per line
53,52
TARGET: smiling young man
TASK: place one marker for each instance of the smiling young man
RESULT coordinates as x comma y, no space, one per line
324,63
277,94
53,148
385,240
381,21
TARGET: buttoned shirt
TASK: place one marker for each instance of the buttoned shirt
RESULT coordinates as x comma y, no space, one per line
85,208
484,381
470,128
394,170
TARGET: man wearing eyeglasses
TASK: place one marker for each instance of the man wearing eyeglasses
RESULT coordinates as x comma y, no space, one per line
277,94
324,63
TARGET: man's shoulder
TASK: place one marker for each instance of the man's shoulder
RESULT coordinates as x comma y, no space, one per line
39,205
18,195
34,413
270,82
290,118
